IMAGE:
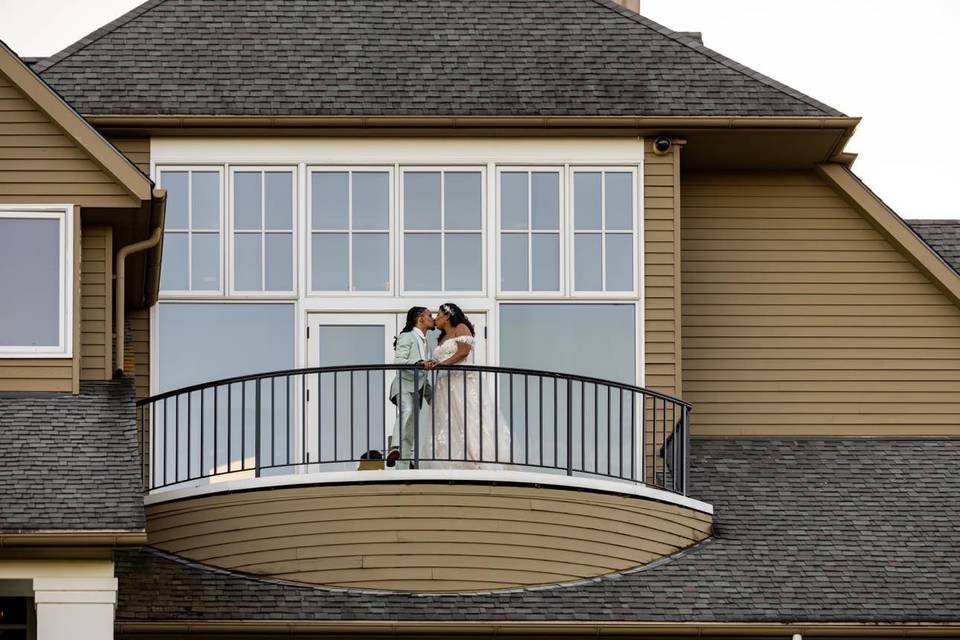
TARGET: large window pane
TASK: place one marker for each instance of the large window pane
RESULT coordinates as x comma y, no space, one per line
587,199
588,275
205,266
330,262
247,200
173,269
246,262
463,200
550,337
330,195
371,262
278,261
421,262
30,286
514,200
279,200
204,342
619,201
545,200
178,198
619,257
463,262
205,201
371,200
546,262
514,262
421,199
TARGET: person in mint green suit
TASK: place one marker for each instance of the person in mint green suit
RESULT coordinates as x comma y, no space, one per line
408,391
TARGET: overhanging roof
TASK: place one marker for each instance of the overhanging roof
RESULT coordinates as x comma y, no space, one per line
406,58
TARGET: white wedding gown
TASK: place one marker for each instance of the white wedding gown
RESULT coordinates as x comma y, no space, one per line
467,430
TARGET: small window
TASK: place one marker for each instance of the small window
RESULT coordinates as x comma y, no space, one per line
604,236
530,231
36,281
192,231
443,230
263,246
350,230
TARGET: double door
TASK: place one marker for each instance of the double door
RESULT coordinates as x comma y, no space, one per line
348,412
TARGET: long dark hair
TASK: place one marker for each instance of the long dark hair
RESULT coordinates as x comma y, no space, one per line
412,314
457,316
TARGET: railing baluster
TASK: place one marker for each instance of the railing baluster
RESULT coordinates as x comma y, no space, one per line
668,446
256,436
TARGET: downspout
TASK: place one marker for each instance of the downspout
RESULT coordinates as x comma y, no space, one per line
157,204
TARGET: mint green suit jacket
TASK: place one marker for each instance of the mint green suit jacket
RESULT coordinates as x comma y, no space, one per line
407,351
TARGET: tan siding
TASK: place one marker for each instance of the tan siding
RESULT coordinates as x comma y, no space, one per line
661,195
28,140
424,537
800,318
36,374
137,150
96,293
139,321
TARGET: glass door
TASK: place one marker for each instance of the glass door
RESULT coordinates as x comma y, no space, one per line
348,412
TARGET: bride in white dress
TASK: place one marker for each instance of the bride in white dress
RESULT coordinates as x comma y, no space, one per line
467,429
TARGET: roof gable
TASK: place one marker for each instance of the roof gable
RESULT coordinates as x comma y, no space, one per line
406,58
56,125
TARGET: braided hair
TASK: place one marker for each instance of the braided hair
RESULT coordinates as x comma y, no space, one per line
457,316
413,313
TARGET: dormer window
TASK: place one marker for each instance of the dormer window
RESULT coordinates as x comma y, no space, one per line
36,281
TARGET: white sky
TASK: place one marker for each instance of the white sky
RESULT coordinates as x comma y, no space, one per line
888,61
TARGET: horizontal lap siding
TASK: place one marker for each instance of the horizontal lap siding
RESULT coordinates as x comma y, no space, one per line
39,163
426,537
137,151
139,323
660,288
95,302
799,318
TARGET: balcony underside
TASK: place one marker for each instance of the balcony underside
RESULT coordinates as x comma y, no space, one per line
425,535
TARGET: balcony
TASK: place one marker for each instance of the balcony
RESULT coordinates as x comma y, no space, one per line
514,477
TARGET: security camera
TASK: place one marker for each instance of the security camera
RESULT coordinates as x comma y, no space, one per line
662,145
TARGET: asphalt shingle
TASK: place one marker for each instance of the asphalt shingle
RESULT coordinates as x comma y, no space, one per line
406,58
943,236
806,531
70,461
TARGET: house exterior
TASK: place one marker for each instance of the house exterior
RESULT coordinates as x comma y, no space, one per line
721,377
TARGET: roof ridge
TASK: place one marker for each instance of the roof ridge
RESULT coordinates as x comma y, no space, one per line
95,35
719,57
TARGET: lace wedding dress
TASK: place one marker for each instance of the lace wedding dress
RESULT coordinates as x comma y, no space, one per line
467,430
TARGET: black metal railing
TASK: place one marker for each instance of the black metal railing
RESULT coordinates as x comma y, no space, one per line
340,418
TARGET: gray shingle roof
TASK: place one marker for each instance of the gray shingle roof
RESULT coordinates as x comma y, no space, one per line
70,462
943,236
406,57
806,531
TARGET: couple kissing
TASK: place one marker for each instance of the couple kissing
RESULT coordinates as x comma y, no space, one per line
451,431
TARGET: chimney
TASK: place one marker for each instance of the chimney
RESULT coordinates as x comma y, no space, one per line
633,5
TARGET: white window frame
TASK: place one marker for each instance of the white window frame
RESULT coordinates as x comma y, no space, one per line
228,248
391,231
198,293
64,214
636,232
484,223
529,293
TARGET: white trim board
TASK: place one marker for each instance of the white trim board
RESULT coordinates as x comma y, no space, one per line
205,488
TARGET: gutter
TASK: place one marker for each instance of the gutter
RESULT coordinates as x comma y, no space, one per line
157,207
652,122
91,538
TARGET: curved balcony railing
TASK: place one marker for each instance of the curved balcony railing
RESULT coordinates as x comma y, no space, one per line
340,419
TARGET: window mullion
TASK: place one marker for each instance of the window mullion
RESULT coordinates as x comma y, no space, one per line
189,230
603,230
263,227
443,229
